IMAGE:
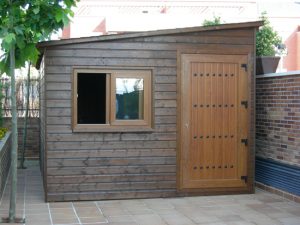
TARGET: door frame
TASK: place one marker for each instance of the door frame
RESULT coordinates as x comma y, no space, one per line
249,188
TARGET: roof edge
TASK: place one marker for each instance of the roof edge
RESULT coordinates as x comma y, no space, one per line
149,33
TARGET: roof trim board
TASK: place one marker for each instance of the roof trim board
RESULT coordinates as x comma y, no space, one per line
148,34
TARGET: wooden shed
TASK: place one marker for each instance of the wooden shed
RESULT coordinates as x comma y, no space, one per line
149,114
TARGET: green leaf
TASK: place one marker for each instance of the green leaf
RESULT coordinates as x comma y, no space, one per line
36,10
58,16
20,43
29,52
4,64
3,31
267,39
65,19
18,30
10,38
68,3
34,20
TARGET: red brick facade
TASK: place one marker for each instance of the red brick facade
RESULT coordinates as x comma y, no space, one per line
278,118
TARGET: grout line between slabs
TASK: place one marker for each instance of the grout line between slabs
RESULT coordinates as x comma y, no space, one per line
76,213
67,224
101,213
50,214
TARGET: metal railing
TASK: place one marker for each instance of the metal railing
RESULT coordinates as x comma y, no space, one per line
21,92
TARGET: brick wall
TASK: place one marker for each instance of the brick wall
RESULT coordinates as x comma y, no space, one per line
278,117
33,141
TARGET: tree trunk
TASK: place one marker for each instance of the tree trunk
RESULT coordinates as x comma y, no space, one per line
25,118
14,147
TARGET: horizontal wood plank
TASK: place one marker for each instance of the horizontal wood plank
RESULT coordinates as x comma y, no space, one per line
165,111
199,39
128,161
124,186
112,53
109,144
94,174
92,61
116,153
89,166
165,95
108,195
58,70
65,95
208,48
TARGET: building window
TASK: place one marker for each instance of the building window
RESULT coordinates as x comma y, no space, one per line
112,100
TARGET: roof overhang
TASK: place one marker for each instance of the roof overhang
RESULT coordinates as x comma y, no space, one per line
43,45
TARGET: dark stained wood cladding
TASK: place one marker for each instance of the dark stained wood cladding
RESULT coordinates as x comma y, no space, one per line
43,117
89,166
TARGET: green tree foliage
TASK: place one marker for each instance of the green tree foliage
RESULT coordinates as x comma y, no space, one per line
23,23
267,39
33,21
1,105
215,21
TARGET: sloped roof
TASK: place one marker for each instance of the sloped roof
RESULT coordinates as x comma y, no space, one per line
112,37
45,44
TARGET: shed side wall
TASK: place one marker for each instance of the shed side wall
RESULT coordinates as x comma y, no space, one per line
84,166
43,123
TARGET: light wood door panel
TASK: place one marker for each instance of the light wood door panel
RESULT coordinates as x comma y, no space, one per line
213,121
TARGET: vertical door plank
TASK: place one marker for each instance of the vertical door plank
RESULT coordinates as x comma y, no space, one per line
208,122
201,115
194,117
243,117
214,113
232,167
213,88
219,122
225,134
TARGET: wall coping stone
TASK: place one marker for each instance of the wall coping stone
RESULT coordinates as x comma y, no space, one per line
290,73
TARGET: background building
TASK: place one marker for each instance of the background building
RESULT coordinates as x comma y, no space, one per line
100,17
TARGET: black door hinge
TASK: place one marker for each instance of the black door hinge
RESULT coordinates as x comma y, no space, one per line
245,103
245,66
245,141
245,178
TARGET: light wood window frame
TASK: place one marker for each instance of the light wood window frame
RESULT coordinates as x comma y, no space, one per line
112,124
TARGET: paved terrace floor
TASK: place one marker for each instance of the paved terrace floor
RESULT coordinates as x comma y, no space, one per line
261,208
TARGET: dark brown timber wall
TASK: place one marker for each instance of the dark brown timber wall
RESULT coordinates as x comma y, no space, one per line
43,115
86,166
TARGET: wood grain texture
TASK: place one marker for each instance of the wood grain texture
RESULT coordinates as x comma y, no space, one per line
43,123
85,166
215,121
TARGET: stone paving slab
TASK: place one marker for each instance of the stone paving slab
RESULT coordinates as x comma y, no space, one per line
261,208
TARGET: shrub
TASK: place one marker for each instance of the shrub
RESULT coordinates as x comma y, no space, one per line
267,39
3,131
215,21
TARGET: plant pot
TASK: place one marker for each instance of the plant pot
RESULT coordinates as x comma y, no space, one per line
266,64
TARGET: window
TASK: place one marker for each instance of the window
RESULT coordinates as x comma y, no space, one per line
111,100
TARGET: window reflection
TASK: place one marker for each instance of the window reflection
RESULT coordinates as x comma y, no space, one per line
129,98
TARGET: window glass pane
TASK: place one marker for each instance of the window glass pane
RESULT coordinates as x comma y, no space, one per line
91,99
129,98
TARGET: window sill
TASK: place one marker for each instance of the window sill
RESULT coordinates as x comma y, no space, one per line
110,129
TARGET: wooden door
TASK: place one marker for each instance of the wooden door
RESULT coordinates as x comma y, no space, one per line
214,121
